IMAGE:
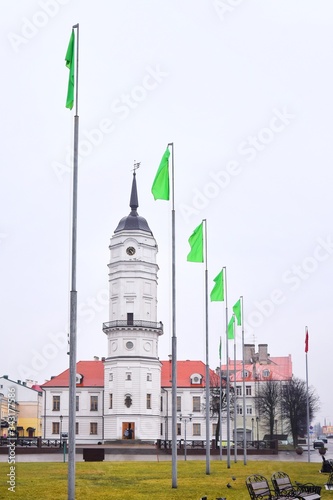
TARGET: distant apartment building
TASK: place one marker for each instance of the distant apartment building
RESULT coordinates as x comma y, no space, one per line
27,406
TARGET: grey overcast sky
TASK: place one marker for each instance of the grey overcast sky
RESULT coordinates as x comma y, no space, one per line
243,88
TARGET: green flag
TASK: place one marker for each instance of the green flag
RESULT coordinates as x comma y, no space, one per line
231,334
160,187
237,311
220,350
70,65
196,244
217,294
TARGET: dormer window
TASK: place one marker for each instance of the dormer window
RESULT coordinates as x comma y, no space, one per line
265,373
196,378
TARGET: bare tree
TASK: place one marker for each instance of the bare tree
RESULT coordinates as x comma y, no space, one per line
268,403
294,406
214,403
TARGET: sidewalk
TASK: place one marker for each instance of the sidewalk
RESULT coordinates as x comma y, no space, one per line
116,456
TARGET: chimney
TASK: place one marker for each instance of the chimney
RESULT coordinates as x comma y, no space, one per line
96,358
5,376
248,353
263,355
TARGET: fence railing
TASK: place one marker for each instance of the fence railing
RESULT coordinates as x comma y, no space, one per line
133,323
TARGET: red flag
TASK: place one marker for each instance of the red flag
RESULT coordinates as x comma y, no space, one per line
306,340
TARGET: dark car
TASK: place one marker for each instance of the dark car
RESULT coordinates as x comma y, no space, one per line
318,443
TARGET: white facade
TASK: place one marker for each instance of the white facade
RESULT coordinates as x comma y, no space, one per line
89,409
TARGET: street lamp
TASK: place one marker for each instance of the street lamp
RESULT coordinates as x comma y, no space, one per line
257,420
61,417
186,419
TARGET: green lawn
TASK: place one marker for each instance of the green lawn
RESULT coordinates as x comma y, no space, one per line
148,480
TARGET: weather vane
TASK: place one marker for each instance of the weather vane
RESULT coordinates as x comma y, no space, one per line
136,165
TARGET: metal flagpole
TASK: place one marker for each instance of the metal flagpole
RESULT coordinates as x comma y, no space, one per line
307,389
235,400
220,402
207,361
73,297
243,387
228,372
174,337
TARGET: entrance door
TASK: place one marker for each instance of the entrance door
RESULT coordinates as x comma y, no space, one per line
128,430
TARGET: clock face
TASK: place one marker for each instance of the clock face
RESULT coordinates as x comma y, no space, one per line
130,251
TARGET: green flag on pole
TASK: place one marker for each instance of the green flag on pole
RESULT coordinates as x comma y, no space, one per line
220,350
231,334
160,188
237,311
70,65
196,244
217,294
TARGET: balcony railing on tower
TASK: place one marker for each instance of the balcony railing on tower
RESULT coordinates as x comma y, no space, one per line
146,325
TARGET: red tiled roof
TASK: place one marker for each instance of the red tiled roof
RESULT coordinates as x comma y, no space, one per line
36,388
92,371
184,371
280,368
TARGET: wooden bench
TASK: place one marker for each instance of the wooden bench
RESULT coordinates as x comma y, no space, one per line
283,486
259,489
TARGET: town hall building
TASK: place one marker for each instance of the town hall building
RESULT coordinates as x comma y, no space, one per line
127,394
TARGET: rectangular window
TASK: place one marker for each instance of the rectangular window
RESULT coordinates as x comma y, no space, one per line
179,429
93,403
77,406
55,428
214,430
161,408
130,318
56,403
110,401
196,403
249,410
161,429
238,390
179,403
93,427
196,429
76,427
239,410
149,377
248,390
148,401
111,377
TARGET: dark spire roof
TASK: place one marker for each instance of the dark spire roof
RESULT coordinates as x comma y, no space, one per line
133,221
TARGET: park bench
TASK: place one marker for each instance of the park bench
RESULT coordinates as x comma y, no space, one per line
259,489
329,484
284,487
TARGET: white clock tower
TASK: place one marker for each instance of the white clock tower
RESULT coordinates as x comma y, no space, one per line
132,370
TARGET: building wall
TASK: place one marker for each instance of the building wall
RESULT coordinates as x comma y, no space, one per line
129,381
28,405
84,416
